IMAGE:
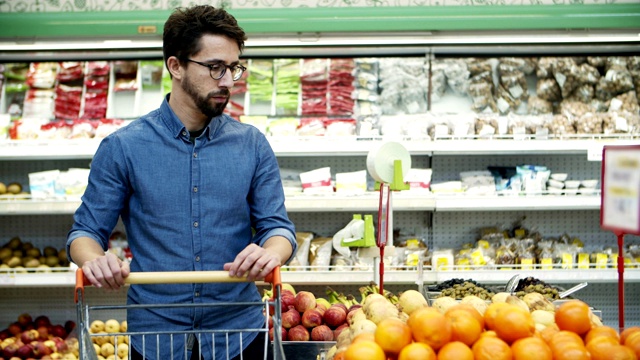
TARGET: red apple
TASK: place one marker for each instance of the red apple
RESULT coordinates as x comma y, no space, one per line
69,326
40,349
4,334
290,318
354,307
341,305
321,333
51,345
287,300
61,344
28,336
339,329
270,321
298,333
10,350
335,316
24,351
311,318
283,333
24,319
305,300
42,320
43,332
15,329
58,331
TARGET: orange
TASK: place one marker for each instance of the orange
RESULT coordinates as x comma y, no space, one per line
417,351
548,332
513,323
632,341
366,336
564,337
489,333
465,327
574,316
492,311
455,350
364,350
392,335
431,327
531,348
600,331
600,347
628,331
571,352
491,348
339,356
468,307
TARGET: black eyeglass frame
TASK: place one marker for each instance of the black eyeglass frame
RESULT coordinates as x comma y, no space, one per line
224,69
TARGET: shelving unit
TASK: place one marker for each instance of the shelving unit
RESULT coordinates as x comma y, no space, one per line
448,221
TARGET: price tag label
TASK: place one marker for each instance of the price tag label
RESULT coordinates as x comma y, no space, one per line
594,153
620,210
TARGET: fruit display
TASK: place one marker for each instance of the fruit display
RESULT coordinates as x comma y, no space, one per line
505,328
306,317
17,254
38,338
12,188
107,340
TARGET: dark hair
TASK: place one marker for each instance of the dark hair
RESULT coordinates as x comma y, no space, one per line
185,26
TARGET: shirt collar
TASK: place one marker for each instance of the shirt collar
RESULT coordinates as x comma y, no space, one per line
176,127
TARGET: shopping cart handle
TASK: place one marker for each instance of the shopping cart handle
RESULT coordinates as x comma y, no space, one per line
179,277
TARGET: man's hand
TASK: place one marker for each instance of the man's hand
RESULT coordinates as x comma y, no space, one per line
254,261
106,271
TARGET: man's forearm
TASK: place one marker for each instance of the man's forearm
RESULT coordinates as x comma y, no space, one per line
281,246
85,249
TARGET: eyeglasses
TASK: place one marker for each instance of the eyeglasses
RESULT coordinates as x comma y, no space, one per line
217,71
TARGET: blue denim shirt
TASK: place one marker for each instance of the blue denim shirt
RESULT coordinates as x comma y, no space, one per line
186,207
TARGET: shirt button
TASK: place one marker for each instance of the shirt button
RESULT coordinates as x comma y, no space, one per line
195,189
184,133
197,258
195,224
195,155
197,294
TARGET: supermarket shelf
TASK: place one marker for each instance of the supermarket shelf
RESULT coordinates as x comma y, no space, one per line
342,146
556,276
407,201
507,203
402,201
12,278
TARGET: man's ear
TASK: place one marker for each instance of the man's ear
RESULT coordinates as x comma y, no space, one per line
173,64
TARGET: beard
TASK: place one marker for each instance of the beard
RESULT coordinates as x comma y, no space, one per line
204,102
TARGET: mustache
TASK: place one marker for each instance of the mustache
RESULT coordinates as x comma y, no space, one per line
221,92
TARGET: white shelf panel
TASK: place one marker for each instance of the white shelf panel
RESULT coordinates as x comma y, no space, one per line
406,201
336,146
366,202
507,203
550,276
631,275
402,201
48,149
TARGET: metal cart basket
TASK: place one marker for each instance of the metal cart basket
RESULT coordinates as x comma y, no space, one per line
87,338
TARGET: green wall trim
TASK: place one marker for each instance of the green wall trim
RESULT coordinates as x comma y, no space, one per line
356,19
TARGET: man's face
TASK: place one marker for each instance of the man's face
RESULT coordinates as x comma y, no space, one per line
211,96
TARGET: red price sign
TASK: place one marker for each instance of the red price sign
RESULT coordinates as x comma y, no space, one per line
620,202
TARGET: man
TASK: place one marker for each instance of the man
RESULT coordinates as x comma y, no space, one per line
196,190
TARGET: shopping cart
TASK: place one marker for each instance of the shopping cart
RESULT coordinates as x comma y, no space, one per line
85,312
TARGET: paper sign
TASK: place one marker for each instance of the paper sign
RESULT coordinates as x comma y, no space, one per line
620,201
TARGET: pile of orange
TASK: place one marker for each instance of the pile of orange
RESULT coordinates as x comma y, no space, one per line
504,332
